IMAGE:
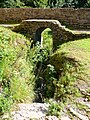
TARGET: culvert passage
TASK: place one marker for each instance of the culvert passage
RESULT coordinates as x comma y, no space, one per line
44,37
42,69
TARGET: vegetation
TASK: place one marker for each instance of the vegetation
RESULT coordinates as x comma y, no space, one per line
19,68
69,3
16,77
47,39
11,3
36,74
71,62
44,3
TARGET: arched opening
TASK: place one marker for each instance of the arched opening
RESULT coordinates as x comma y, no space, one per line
37,36
44,36
47,39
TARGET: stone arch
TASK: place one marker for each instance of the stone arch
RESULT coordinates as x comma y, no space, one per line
33,28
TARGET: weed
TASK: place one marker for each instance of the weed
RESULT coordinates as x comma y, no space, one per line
55,108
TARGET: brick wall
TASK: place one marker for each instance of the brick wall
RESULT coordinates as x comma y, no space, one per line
73,18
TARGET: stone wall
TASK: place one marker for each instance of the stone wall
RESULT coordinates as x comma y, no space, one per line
74,18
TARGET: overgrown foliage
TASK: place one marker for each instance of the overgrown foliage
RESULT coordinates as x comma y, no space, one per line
47,40
16,77
11,4
71,62
44,3
28,74
69,3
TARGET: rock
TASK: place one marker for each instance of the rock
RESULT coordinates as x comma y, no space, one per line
65,118
87,104
5,116
32,111
38,111
81,117
51,118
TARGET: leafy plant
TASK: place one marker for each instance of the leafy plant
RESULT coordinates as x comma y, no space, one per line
11,3
55,108
49,78
37,57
